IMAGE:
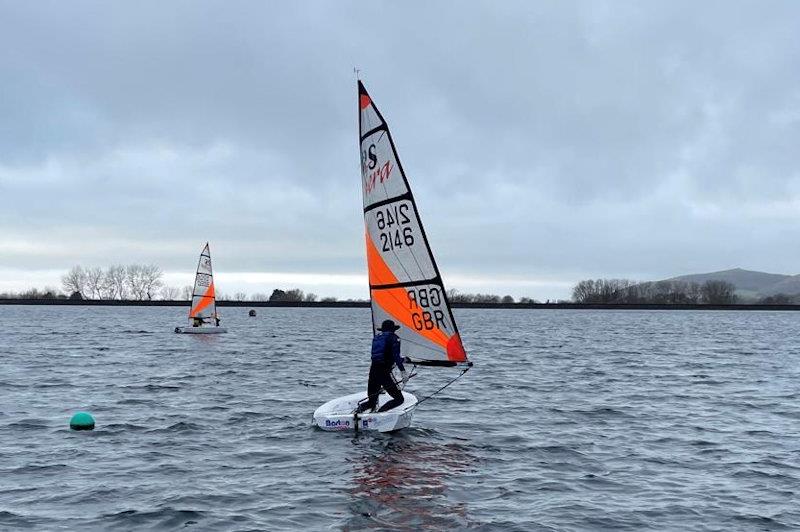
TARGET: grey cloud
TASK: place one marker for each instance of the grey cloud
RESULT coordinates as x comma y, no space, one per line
557,139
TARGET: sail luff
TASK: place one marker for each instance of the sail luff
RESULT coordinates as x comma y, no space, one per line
419,297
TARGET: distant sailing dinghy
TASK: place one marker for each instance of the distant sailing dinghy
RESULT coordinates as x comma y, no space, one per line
404,281
203,313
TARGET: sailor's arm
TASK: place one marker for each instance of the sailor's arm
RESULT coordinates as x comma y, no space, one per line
398,360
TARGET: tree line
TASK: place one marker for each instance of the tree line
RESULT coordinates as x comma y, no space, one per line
145,282
659,292
133,281
454,296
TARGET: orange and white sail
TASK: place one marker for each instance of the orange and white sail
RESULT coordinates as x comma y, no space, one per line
405,284
203,301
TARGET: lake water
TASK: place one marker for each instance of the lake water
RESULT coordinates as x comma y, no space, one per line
570,420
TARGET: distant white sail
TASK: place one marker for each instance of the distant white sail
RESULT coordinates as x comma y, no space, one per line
204,304
405,284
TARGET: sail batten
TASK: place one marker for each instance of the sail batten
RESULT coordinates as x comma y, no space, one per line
381,203
405,283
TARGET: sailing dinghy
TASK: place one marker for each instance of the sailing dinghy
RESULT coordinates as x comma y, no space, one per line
203,312
404,281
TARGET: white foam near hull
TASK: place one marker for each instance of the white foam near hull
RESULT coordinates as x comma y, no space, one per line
200,330
338,414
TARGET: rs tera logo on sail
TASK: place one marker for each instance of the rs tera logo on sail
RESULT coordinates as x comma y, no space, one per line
370,170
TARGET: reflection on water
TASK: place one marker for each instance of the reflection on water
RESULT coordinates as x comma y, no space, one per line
403,480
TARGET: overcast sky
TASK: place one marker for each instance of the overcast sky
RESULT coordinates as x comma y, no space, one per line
546,142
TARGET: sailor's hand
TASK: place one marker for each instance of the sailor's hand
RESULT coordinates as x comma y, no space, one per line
404,377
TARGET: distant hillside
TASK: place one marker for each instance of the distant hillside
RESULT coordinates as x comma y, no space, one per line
790,286
748,282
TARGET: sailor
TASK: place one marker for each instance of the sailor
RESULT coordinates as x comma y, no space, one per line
385,354
197,321
216,318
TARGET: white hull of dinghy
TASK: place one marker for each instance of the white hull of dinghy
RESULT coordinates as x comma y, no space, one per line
200,330
339,414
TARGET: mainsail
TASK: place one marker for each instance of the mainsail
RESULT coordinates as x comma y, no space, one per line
404,281
203,303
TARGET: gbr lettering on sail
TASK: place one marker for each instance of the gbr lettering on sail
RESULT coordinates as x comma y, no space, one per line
425,305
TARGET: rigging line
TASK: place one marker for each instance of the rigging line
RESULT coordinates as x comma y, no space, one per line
443,387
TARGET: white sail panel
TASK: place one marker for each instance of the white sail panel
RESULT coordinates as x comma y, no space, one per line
394,229
203,297
381,175
405,284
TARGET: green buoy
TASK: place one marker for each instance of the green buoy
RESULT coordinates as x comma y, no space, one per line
82,421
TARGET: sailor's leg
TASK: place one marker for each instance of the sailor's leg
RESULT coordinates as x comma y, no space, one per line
391,389
373,390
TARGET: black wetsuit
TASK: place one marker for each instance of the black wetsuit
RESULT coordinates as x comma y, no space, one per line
385,354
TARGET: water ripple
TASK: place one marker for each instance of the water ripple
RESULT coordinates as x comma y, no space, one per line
570,420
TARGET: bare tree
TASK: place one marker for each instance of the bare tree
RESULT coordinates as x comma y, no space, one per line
74,281
310,297
133,281
151,279
170,293
295,294
259,296
455,297
507,299
240,296
329,299
186,292
115,286
604,291
777,299
668,292
94,282
719,293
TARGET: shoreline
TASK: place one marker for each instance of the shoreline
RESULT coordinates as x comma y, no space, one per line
365,304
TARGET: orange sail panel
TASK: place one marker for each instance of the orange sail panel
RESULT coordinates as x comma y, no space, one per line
405,284
203,299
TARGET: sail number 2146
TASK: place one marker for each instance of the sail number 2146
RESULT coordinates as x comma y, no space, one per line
391,221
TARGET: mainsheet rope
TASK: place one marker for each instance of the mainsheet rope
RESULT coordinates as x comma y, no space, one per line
443,387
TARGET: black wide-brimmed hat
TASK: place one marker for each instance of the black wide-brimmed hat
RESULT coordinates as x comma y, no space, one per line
388,326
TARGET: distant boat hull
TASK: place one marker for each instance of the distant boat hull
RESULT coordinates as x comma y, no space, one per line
338,414
200,330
